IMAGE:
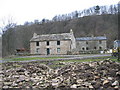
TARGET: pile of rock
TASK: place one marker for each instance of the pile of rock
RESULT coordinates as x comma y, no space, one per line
87,75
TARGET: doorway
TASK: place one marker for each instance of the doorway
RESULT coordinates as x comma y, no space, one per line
48,51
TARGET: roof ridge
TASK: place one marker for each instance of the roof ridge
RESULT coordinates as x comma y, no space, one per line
52,34
92,37
62,36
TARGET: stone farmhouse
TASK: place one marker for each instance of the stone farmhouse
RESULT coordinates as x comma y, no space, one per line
59,44
52,43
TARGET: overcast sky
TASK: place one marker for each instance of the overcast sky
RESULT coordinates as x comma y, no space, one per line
29,10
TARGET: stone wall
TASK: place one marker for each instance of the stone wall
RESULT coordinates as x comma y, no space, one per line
92,45
32,47
65,46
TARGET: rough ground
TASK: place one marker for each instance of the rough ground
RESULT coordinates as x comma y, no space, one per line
102,75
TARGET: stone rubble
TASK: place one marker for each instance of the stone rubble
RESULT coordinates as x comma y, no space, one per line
100,75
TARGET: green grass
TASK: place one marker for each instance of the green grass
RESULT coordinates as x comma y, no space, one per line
33,58
44,58
89,60
56,63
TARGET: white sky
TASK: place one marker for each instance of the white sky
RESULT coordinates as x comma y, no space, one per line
29,10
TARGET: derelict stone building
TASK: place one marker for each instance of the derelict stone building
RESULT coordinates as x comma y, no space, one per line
65,42
52,43
91,43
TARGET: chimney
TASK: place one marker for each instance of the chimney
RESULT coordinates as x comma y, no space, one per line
71,31
34,35
104,35
92,35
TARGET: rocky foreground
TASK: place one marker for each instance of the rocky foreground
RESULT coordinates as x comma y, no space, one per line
102,75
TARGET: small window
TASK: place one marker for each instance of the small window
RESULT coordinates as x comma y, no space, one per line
95,48
100,48
58,42
86,42
100,42
47,43
83,48
37,50
37,43
58,50
87,48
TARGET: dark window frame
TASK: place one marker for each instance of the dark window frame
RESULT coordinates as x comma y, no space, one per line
100,41
58,42
37,43
83,48
37,50
58,50
48,51
87,42
100,48
95,48
47,43
87,48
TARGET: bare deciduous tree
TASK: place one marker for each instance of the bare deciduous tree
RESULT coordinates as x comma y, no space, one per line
7,22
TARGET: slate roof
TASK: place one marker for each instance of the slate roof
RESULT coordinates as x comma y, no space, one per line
50,37
91,38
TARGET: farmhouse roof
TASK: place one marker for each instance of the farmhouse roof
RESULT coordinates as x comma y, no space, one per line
91,38
49,37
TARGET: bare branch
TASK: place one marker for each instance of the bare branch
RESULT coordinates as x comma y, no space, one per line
7,22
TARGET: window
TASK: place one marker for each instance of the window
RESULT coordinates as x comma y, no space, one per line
58,50
87,48
37,50
83,48
48,51
37,43
47,43
58,42
95,48
86,42
100,48
100,42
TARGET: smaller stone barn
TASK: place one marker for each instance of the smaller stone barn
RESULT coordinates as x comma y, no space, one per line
91,43
52,43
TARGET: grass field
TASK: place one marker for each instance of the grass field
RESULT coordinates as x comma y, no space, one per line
33,58
56,64
59,63
47,58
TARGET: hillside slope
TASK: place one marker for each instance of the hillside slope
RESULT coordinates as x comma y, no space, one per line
19,36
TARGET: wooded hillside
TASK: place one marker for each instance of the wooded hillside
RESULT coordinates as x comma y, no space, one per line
97,25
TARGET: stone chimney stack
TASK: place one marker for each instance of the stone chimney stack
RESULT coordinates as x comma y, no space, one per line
71,31
34,35
104,35
92,35
73,41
